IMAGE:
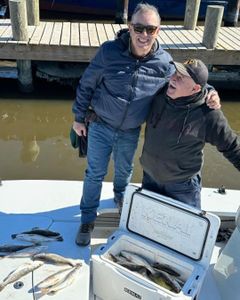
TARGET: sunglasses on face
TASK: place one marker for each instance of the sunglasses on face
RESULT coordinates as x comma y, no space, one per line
139,28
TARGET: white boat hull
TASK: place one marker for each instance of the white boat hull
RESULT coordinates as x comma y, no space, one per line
54,204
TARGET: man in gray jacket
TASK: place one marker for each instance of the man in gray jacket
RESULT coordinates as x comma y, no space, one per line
178,126
119,84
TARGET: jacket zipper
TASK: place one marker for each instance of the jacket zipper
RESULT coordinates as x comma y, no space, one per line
134,80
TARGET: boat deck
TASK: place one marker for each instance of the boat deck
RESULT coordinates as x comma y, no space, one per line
78,42
55,205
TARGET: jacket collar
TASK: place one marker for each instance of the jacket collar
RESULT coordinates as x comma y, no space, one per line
189,101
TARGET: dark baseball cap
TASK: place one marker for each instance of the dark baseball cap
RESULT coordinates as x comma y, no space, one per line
195,69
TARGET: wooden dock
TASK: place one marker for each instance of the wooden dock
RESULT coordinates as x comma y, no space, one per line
72,41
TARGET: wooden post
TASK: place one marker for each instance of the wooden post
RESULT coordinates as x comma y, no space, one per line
191,14
122,12
18,15
232,13
212,25
25,81
33,12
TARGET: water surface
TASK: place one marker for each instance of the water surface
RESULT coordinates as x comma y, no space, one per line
34,137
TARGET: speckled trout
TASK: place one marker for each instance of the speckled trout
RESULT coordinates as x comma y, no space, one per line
53,279
21,271
138,260
56,259
64,283
36,238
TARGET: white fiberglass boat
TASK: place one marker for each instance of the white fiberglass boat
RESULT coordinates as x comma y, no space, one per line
54,205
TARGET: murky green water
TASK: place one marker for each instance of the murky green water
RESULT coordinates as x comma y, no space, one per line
34,138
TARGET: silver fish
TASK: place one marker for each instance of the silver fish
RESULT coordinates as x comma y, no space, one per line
65,282
55,259
122,261
39,231
133,267
164,267
21,271
160,281
13,248
168,279
26,252
36,238
53,279
118,258
137,259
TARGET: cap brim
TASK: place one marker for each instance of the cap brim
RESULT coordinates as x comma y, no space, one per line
181,69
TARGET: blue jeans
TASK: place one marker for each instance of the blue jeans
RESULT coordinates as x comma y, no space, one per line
103,140
188,191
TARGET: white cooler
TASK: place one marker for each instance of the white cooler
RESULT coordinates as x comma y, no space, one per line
161,230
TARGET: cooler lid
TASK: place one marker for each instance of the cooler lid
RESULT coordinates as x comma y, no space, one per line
168,222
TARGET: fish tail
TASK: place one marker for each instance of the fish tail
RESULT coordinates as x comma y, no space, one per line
2,286
59,238
14,236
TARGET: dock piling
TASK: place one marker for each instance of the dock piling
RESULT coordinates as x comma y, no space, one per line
33,12
25,81
232,13
18,15
122,12
212,25
191,14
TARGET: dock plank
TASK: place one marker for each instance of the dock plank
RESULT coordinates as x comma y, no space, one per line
66,31
93,37
7,35
37,35
3,29
84,36
75,36
4,24
161,41
31,30
116,28
190,44
109,31
46,37
234,31
56,35
166,38
232,40
171,32
193,37
101,33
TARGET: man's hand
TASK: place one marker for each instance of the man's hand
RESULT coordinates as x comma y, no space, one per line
213,100
80,128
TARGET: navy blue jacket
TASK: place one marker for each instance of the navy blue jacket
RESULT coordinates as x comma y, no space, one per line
120,87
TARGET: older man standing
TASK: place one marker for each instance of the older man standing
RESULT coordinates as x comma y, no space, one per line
119,84
178,126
